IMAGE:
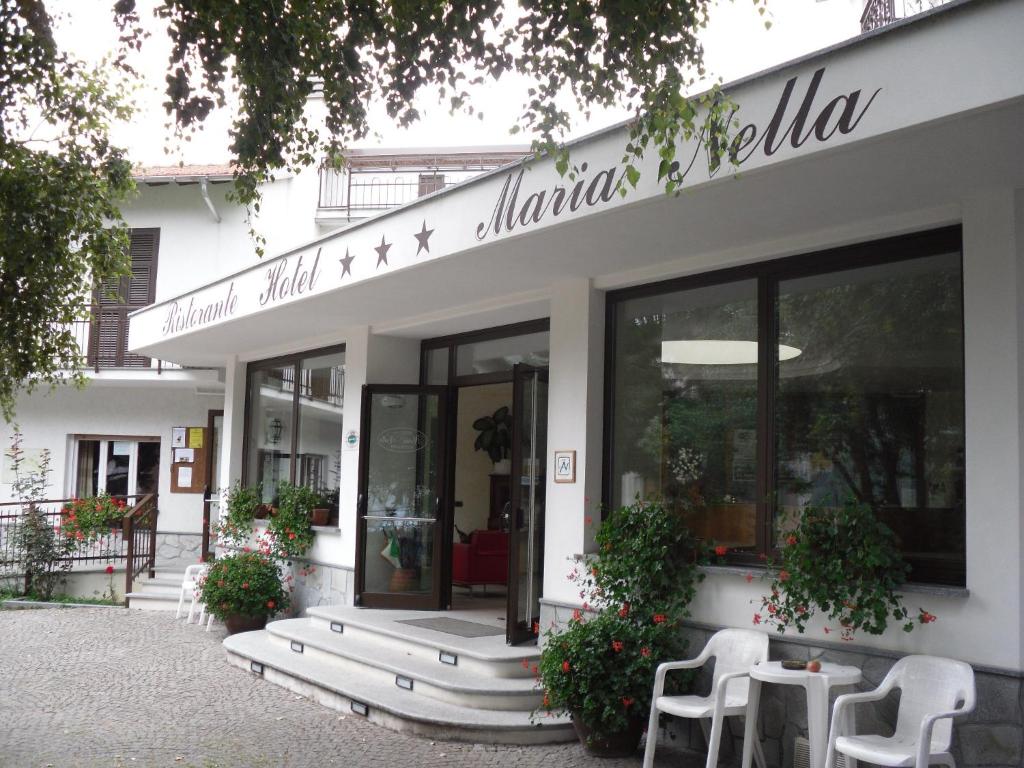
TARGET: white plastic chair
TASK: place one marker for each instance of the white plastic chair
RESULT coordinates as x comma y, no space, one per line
930,690
189,585
735,651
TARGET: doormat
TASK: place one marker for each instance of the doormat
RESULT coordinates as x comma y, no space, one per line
455,627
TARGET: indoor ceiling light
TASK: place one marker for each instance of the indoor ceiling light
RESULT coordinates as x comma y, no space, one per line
717,352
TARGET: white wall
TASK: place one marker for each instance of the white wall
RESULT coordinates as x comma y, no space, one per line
51,420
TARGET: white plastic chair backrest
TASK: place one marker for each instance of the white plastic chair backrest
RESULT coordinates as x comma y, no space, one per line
737,650
928,685
192,574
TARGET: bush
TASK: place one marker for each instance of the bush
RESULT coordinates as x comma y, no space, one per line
243,584
292,527
640,582
241,503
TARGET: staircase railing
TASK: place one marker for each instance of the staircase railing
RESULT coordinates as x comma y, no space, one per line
139,532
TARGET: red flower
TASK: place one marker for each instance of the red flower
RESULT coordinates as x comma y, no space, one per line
525,663
721,551
659,618
245,585
536,627
827,630
771,607
783,575
624,611
790,540
627,702
547,701
617,645
291,535
109,569
577,614
749,577
565,666
535,669
925,617
645,652
757,618
270,604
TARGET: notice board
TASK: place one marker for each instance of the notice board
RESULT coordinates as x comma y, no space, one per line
190,457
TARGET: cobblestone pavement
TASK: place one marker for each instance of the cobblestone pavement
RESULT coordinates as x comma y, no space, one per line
95,687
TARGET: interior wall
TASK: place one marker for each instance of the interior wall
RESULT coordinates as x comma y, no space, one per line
473,468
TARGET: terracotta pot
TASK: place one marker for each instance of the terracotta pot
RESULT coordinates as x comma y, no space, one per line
262,512
620,744
320,516
404,580
238,622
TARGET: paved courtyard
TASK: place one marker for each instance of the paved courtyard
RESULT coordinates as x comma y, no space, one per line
106,687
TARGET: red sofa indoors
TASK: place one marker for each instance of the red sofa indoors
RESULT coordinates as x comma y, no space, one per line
483,561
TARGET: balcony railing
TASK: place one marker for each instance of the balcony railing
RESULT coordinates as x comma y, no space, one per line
375,191
103,340
879,13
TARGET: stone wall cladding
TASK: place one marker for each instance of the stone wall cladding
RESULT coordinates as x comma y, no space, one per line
176,551
991,737
315,584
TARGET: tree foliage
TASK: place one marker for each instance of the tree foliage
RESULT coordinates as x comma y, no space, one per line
61,181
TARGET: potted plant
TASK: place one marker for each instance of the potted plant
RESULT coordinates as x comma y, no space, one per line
243,589
242,504
292,527
321,511
637,586
843,562
495,438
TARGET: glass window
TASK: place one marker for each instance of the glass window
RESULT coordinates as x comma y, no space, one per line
872,410
436,365
686,363
121,467
496,355
294,425
867,397
270,428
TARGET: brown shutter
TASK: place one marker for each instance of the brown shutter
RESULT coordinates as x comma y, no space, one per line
142,283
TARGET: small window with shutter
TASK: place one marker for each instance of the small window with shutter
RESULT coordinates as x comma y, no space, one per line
114,299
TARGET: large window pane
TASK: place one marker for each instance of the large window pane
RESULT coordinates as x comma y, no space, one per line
685,407
872,409
321,400
271,394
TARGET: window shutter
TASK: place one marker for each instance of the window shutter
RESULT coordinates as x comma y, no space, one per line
142,282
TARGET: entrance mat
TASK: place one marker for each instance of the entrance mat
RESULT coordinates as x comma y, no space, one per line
455,627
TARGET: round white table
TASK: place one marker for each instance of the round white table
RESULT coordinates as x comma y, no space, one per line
816,685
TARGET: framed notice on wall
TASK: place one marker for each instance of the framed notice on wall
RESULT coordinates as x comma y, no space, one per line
190,456
565,466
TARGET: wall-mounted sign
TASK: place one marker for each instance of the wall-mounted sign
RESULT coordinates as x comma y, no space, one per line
351,439
178,437
565,466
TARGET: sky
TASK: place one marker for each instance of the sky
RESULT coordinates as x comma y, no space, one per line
736,44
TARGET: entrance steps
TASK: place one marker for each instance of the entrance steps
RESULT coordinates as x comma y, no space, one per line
157,594
368,662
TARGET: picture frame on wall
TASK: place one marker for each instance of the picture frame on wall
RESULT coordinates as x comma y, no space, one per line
565,466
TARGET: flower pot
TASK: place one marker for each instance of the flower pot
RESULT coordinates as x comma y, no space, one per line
238,622
404,580
320,516
619,744
262,512
503,467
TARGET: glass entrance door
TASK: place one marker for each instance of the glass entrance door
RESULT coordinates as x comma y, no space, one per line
402,497
526,535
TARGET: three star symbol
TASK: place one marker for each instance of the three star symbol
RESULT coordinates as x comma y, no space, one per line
382,251
346,263
422,237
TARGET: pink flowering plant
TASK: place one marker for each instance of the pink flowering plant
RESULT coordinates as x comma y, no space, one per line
635,590
88,519
244,584
844,563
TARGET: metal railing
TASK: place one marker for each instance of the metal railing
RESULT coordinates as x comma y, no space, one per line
131,539
103,340
355,191
879,13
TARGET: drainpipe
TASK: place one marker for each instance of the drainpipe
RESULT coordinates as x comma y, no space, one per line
205,192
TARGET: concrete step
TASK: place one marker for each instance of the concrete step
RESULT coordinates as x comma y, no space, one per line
358,690
432,678
486,656
148,601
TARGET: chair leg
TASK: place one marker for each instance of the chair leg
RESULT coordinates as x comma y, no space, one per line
209,621
652,737
181,604
759,758
714,740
